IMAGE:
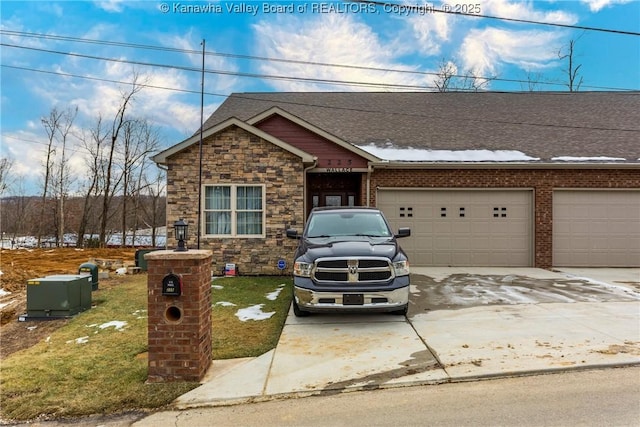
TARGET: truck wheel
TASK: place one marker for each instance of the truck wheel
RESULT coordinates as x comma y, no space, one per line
298,312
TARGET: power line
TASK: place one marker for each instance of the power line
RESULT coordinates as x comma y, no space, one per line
432,9
280,60
371,111
233,73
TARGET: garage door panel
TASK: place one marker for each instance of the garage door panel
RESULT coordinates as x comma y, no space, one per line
596,228
463,227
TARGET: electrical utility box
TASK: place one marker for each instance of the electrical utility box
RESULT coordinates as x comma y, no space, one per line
58,296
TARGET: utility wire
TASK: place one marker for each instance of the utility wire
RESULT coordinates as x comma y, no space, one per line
250,97
286,61
432,9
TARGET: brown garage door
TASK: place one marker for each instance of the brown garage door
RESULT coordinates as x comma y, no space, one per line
462,227
596,228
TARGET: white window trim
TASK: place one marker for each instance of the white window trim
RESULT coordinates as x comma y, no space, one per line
234,231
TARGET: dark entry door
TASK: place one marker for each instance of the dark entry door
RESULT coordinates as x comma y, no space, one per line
335,189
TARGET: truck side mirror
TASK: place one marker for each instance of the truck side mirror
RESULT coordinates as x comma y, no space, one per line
403,232
292,234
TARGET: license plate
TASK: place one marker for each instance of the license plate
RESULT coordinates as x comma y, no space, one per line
353,299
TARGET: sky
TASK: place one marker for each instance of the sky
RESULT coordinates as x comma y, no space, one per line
84,54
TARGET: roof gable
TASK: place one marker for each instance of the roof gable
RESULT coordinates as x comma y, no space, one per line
161,158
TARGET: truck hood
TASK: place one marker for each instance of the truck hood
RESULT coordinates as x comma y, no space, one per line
312,249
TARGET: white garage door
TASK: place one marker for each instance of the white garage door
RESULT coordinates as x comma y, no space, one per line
462,227
596,228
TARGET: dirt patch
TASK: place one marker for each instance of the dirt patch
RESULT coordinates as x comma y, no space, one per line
469,290
20,265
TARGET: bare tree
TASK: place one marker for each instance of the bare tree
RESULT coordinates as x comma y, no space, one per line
93,144
447,71
139,140
51,125
109,188
5,174
533,82
448,80
63,169
574,80
154,213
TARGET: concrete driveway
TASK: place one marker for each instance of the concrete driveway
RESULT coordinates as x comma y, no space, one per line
462,324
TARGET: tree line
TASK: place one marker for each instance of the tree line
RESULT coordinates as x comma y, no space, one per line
118,189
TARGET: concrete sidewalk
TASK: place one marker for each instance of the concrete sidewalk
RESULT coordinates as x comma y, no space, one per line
334,353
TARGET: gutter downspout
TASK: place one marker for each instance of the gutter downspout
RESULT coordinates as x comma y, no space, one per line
369,171
165,168
304,188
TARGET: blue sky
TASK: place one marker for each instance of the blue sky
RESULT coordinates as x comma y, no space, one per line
65,41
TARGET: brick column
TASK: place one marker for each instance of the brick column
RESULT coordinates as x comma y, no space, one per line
179,329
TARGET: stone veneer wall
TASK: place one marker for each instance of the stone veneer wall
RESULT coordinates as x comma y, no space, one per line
543,181
234,156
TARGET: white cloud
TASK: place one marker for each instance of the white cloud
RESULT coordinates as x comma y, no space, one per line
328,38
484,50
115,6
597,5
431,30
525,10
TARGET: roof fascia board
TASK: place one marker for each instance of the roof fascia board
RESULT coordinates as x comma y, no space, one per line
297,120
161,158
501,165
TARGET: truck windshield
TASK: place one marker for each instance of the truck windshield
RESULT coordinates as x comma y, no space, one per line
333,224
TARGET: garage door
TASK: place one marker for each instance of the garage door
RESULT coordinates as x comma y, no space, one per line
596,228
462,227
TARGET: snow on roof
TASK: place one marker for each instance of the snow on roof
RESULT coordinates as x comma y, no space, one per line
587,159
413,154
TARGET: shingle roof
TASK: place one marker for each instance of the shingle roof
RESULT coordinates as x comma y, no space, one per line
544,125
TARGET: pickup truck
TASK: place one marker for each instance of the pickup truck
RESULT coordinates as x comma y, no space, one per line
348,259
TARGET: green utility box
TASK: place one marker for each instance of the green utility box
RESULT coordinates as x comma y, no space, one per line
58,296
140,261
92,270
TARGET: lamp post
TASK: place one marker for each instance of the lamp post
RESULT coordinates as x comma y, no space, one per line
180,228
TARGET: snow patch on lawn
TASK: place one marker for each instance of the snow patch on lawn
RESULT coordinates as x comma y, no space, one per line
253,313
117,324
81,340
225,304
272,296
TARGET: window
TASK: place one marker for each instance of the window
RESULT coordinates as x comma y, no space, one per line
234,210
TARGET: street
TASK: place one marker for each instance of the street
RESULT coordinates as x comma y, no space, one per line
598,397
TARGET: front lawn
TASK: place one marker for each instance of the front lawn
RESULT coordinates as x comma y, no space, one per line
97,364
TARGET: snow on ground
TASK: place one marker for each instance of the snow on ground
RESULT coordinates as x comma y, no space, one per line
117,324
81,340
253,313
225,304
272,296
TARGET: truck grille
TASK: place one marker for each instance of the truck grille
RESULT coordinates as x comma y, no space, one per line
352,270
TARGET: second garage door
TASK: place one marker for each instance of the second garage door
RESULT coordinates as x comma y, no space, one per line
462,227
596,228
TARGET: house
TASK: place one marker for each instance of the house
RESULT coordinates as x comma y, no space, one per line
483,179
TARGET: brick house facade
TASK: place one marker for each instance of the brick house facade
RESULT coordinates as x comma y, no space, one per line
269,158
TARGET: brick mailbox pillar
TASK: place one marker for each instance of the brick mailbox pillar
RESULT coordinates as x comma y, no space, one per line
179,325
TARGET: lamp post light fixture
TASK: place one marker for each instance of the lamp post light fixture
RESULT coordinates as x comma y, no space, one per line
180,228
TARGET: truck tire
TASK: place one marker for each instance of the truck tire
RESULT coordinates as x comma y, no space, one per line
298,312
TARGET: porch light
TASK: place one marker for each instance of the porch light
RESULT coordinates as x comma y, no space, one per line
180,228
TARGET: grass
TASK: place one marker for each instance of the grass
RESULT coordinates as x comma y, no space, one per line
86,367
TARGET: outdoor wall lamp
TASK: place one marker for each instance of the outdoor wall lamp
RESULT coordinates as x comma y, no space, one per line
180,228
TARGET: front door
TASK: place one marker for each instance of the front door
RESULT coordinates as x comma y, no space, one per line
336,189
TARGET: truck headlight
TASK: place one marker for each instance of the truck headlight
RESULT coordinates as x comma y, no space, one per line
302,269
401,268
